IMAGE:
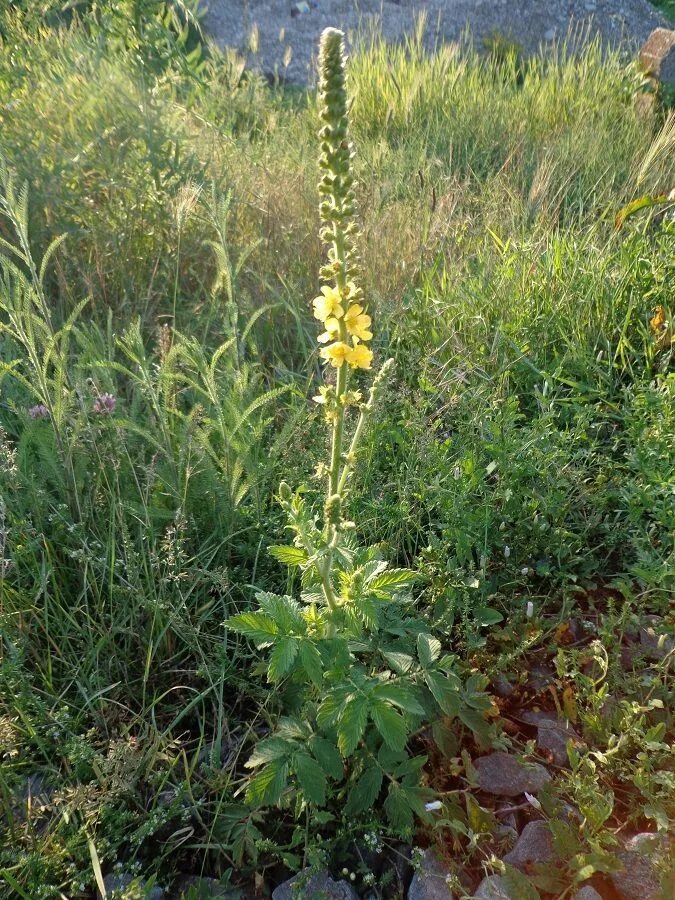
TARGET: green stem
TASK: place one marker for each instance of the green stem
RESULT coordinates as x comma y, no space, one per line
343,373
366,409
338,429
352,450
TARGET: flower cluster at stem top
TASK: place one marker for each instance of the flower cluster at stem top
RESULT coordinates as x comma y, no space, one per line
346,331
340,305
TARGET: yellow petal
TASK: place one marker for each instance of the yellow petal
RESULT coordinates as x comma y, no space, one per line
332,331
359,356
329,304
336,353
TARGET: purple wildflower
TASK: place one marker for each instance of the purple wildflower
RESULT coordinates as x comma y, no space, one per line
105,404
38,412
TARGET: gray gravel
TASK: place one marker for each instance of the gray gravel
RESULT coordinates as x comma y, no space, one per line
535,845
429,881
508,776
286,44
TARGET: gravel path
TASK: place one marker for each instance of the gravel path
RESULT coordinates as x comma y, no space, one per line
287,43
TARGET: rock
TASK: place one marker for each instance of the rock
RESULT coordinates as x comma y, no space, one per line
552,734
192,887
568,813
552,737
540,677
507,776
535,716
639,877
502,687
123,885
648,843
492,888
587,892
429,881
535,845
309,885
656,644
286,45
657,56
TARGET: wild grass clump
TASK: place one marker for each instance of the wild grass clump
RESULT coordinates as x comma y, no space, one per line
159,250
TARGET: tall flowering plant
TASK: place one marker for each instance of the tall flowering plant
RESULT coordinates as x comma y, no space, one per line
363,673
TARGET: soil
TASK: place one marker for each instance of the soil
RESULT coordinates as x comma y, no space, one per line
285,38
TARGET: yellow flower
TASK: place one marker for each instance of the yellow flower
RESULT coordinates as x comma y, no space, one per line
360,357
358,322
658,322
336,353
331,333
328,305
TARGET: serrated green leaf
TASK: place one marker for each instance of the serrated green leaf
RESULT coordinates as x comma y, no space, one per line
328,756
485,616
269,749
368,612
401,695
288,555
518,885
448,662
417,796
332,705
390,582
352,724
445,738
389,759
473,720
267,786
399,662
256,626
398,808
365,792
311,662
282,658
311,777
428,649
411,766
283,610
370,570
390,724
293,729
322,817
444,692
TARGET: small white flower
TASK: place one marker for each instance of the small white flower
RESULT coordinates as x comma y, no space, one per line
456,473
507,551
530,609
525,571
433,806
532,801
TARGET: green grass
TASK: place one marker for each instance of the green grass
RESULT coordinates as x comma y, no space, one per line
667,7
531,409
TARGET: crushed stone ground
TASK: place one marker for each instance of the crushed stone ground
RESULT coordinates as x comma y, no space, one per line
285,43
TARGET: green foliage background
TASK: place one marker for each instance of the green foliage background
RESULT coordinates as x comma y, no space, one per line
524,451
